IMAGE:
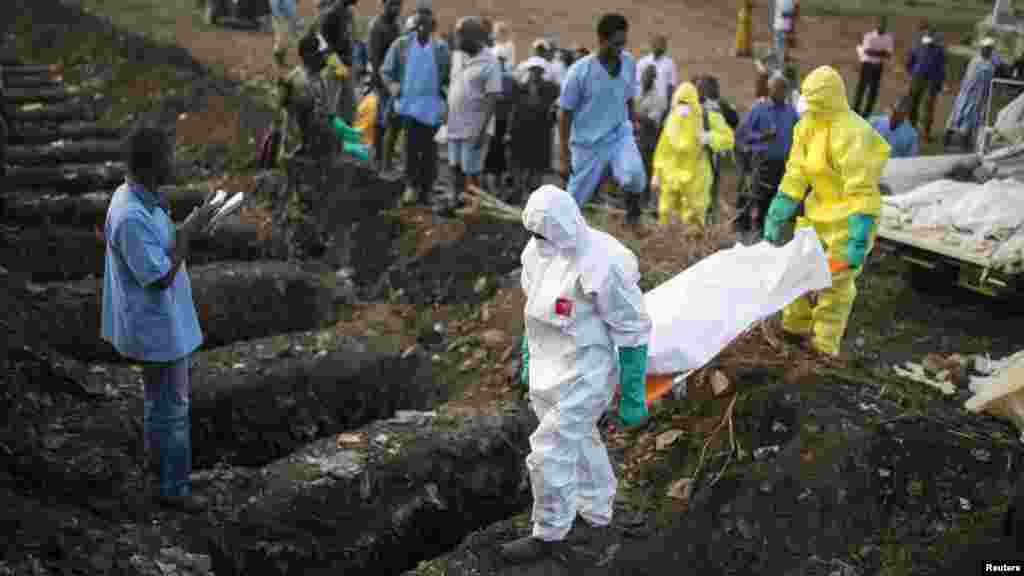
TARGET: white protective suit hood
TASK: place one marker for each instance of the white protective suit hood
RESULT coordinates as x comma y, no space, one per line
552,213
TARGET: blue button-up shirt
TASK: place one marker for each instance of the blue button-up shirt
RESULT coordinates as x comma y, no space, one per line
598,101
142,321
420,97
902,140
765,116
929,61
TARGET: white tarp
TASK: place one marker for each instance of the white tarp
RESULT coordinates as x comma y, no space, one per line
904,174
994,208
701,310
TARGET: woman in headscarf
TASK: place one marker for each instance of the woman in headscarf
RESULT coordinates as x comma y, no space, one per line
682,160
969,107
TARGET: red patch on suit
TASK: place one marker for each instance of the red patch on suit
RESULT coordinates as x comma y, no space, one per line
563,307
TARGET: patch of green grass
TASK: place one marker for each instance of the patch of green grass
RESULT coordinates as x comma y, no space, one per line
156,20
435,567
302,472
944,12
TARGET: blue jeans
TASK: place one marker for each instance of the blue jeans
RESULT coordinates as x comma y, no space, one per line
167,425
780,44
467,156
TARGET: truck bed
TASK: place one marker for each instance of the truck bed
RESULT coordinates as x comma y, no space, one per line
933,242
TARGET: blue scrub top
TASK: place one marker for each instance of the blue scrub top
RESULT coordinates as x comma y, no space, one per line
144,322
598,101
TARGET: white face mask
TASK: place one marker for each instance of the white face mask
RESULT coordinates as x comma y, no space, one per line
683,110
801,105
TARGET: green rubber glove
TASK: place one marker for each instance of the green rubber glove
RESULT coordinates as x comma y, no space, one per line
782,209
359,151
633,384
524,370
861,226
345,132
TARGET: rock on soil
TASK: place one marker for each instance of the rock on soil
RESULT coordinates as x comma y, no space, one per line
235,301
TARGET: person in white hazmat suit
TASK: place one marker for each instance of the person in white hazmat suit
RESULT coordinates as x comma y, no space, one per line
586,330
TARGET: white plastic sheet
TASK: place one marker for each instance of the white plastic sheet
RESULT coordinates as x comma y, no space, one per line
904,174
700,311
996,206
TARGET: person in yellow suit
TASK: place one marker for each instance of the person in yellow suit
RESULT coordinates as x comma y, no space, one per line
682,159
834,166
366,118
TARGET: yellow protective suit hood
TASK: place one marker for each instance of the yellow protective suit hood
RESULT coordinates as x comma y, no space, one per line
681,131
682,163
825,91
835,153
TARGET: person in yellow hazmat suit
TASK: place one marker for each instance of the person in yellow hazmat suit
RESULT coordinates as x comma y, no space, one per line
682,159
366,118
833,169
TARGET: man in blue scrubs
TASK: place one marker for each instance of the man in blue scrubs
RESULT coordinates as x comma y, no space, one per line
416,69
148,314
596,124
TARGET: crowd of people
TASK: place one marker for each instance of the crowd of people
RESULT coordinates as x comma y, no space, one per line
814,160
500,119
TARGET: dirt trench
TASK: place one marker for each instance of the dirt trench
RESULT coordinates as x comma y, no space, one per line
74,452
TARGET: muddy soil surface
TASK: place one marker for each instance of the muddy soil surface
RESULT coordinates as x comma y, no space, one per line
464,270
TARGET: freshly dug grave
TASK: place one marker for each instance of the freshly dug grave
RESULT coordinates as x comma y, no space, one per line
83,152
461,271
290,390
39,134
18,96
85,210
235,301
851,484
52,254
376,500
71,111
264,408
311,203
68,179
63,254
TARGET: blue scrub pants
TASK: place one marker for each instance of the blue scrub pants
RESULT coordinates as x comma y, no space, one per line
590,164
167,426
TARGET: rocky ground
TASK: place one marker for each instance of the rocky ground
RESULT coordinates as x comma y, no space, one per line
358,410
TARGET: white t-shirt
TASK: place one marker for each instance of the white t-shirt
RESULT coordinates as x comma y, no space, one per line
783,23
668,74
506,50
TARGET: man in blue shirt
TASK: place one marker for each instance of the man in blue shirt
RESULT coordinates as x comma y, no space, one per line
926,66
148,314
897,131
596,122
416,70
767,132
